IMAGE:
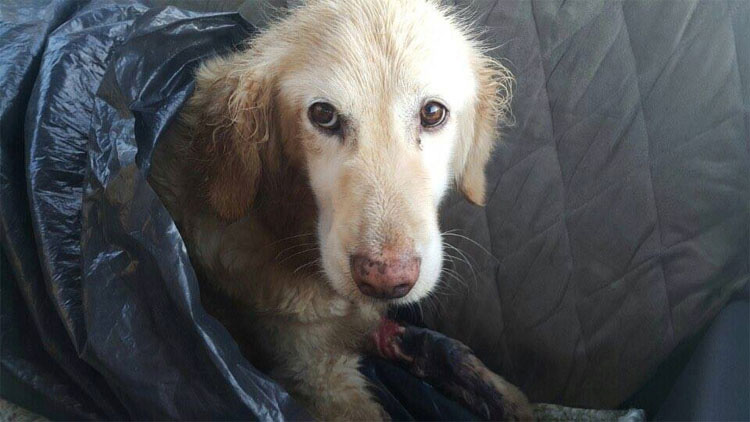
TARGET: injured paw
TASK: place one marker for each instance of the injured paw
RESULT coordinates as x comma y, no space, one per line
387,341
452,368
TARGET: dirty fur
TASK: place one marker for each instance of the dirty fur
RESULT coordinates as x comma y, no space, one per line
271,207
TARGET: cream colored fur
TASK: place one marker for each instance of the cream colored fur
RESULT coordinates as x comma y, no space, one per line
271,207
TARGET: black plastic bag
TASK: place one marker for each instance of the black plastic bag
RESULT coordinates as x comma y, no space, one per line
117,273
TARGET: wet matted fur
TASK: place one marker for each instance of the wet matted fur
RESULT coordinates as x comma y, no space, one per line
273,207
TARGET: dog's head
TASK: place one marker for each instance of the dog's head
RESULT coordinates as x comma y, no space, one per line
383,103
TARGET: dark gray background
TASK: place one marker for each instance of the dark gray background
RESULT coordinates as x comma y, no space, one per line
618,214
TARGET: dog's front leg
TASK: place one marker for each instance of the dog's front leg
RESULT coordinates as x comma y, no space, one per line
330,386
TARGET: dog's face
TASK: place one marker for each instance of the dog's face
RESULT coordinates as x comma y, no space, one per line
385,104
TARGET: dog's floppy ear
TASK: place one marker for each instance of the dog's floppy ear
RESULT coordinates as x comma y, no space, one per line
229,116
479,131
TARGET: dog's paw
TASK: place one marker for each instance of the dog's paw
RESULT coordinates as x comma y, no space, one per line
386,341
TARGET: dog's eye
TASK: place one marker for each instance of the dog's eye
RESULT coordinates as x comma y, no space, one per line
432,114
325,116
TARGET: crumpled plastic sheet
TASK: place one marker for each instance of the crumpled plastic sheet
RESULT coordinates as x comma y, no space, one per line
112,296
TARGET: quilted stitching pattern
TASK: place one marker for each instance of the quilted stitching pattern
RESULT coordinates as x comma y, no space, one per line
619,211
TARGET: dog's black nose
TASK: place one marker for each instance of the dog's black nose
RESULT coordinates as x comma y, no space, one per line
388,275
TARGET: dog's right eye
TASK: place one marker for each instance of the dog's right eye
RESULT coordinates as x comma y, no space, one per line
325,116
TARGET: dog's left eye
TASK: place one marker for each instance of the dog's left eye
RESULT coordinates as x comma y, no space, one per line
325,116
432,114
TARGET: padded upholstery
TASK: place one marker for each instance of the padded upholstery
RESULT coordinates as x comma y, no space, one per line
618,213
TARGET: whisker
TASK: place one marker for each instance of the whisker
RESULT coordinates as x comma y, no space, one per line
299,245
460,236
450,231
430,304
465,259
315,261
441,292
297,253
450,258
290,238
455,276
456,287
453,258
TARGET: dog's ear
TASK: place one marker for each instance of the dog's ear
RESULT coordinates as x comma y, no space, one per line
479,128
229,116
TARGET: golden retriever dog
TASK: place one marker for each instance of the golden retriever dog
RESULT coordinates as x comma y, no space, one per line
305,175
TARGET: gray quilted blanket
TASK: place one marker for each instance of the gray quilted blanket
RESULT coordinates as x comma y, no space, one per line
618,216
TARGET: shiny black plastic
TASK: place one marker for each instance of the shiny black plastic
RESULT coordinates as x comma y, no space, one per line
112,294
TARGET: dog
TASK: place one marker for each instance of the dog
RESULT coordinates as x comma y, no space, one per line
305,175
